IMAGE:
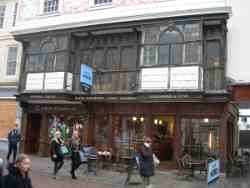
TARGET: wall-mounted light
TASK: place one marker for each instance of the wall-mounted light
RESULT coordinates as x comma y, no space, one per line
160,122
141,119
156,121
206,120
210,140
134,118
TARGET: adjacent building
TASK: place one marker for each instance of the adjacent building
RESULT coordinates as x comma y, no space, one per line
10,60
153,68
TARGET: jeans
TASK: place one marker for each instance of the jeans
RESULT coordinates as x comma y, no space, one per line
12,149
75,162
58,163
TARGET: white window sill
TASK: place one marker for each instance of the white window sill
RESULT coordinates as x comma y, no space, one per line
48,14
11,77
101,6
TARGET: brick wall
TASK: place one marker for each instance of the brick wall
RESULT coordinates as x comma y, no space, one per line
7,116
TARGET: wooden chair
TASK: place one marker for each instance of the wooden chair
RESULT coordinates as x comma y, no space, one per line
184,170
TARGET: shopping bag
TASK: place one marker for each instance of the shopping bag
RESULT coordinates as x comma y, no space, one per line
156,160
83,157
64,150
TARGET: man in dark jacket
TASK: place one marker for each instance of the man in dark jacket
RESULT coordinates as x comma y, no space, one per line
13,139
18,174
1,172
146,162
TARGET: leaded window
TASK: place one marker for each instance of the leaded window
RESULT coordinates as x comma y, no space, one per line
172,45
214,66
50,6
113,58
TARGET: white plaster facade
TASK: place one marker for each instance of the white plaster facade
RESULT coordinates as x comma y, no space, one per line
238,41
72,14
6,41
10,110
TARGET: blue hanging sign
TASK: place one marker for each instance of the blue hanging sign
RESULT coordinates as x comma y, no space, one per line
86,76
213,171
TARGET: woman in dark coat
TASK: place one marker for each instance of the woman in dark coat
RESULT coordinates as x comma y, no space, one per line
75,157
18,174
146,162
56,154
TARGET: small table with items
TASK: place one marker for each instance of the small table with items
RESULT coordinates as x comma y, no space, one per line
105,158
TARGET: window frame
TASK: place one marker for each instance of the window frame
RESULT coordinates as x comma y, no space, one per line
42,7
8,62
2,15
93,4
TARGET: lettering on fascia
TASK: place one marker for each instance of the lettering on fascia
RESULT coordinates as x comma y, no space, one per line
169,96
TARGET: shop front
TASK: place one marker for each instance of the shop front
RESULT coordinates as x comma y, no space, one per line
40,121
201,130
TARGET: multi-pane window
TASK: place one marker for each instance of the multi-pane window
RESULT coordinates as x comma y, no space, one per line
2,13
214,67
100,2
190,56
50,6
113,58
12,61
176,51
173,45
200,137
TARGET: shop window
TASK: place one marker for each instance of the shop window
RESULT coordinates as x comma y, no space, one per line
129,134
200,137
66,125
101,131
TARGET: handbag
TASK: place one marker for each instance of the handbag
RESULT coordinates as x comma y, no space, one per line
156,160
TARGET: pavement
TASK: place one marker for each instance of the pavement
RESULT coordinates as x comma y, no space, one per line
42,168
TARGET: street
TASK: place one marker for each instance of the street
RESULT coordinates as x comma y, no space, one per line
41,174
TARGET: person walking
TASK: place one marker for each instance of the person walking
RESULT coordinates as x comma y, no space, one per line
146,162
75,155
13,140
18,173
56,153
1,172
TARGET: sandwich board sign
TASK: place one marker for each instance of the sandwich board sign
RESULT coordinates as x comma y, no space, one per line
213,172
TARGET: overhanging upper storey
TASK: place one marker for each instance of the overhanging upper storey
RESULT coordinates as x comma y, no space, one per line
160,57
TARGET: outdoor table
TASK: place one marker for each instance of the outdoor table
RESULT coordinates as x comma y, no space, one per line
197,165
105,157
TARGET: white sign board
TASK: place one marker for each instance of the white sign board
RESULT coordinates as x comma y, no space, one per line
54,80
213,171
184,77
154,78
69,81
34,81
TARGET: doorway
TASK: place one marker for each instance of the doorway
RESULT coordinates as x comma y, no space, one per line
33,133
163,137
